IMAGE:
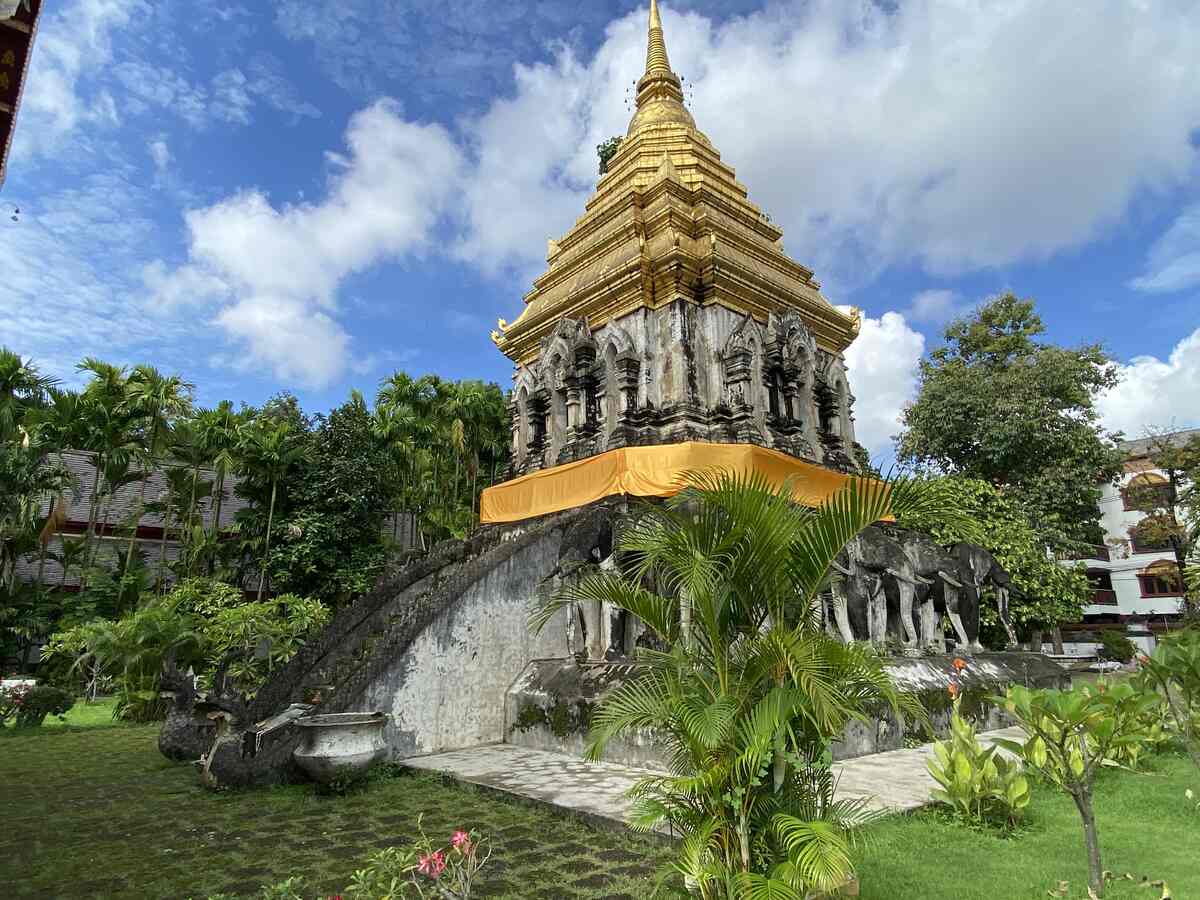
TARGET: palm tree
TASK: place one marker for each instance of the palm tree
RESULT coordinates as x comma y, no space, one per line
156,400
218,429
267,451
750,690
104,426
22,387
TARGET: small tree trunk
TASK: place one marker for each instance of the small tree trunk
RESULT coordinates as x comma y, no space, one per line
97,461
1083,802
1035,640
262,575
162,547
1056,635
137,522
216,522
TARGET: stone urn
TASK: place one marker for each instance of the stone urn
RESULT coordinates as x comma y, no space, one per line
339,744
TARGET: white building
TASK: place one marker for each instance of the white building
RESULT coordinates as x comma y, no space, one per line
1135,581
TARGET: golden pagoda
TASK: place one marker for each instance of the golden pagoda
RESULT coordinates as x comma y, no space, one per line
670,313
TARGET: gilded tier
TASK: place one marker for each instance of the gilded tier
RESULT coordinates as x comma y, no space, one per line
669,221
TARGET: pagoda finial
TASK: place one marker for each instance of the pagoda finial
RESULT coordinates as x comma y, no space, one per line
659,92
657,62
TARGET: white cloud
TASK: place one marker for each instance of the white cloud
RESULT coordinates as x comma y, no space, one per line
1156,393
934,307
68,277
73,44
875,136
284,265
160,153
231,101
883,374
1173,263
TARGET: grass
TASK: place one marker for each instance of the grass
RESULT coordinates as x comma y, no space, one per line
97,812
1147,828
100,813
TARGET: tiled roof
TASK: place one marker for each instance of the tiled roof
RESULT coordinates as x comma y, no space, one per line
1143,446
122,504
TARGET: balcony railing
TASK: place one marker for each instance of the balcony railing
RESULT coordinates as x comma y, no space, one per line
1096,551
1104,597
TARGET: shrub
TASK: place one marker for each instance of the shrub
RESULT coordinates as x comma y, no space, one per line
11,698
1174,669
43,701
1116,646
977,782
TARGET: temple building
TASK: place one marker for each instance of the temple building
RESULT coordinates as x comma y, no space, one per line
670,313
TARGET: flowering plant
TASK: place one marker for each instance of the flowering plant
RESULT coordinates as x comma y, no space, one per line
13,695
423,869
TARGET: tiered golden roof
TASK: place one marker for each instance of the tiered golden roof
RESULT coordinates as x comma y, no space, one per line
669,220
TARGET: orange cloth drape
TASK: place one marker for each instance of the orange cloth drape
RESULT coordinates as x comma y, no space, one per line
656,471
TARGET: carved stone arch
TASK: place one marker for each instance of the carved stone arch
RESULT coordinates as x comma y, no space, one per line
618,338
746,332
528,378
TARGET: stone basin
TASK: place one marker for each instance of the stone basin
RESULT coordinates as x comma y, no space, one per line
339,744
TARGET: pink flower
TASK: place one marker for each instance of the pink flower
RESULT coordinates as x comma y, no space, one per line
461,841
432,865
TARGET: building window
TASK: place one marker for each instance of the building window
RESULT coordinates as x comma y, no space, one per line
1102,587
1160,584
1147,491
1151,535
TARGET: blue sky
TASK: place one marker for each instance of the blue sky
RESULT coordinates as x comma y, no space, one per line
304,196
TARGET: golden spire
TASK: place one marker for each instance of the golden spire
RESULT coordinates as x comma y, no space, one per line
659,92
656,54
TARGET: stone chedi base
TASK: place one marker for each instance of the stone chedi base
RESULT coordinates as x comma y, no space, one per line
548,707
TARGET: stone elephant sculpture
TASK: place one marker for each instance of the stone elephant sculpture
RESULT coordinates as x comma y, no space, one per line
878,570
978,569
938,587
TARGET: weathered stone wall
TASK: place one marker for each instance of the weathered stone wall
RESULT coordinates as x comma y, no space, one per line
446,691
436,644
548,704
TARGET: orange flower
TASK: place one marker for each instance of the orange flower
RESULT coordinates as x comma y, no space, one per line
959,663
953,690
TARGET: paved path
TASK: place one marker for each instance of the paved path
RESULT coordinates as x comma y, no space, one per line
895,781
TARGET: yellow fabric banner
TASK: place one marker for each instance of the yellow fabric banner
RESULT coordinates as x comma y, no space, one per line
648,472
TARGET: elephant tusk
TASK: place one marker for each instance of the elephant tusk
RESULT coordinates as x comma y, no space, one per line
950,581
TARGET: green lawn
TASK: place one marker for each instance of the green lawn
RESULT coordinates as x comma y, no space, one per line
100,813
1147,828
97,812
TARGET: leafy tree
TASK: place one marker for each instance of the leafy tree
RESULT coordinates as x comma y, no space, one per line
1045,591
750,691
607,151
1172,508
998,405
1070,736
267,451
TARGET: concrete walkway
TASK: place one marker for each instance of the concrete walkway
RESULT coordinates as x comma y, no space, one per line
896,781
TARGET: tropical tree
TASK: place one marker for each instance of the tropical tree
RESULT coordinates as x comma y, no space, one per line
22,388
218,434
156,400
750,690
266,451
997,405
